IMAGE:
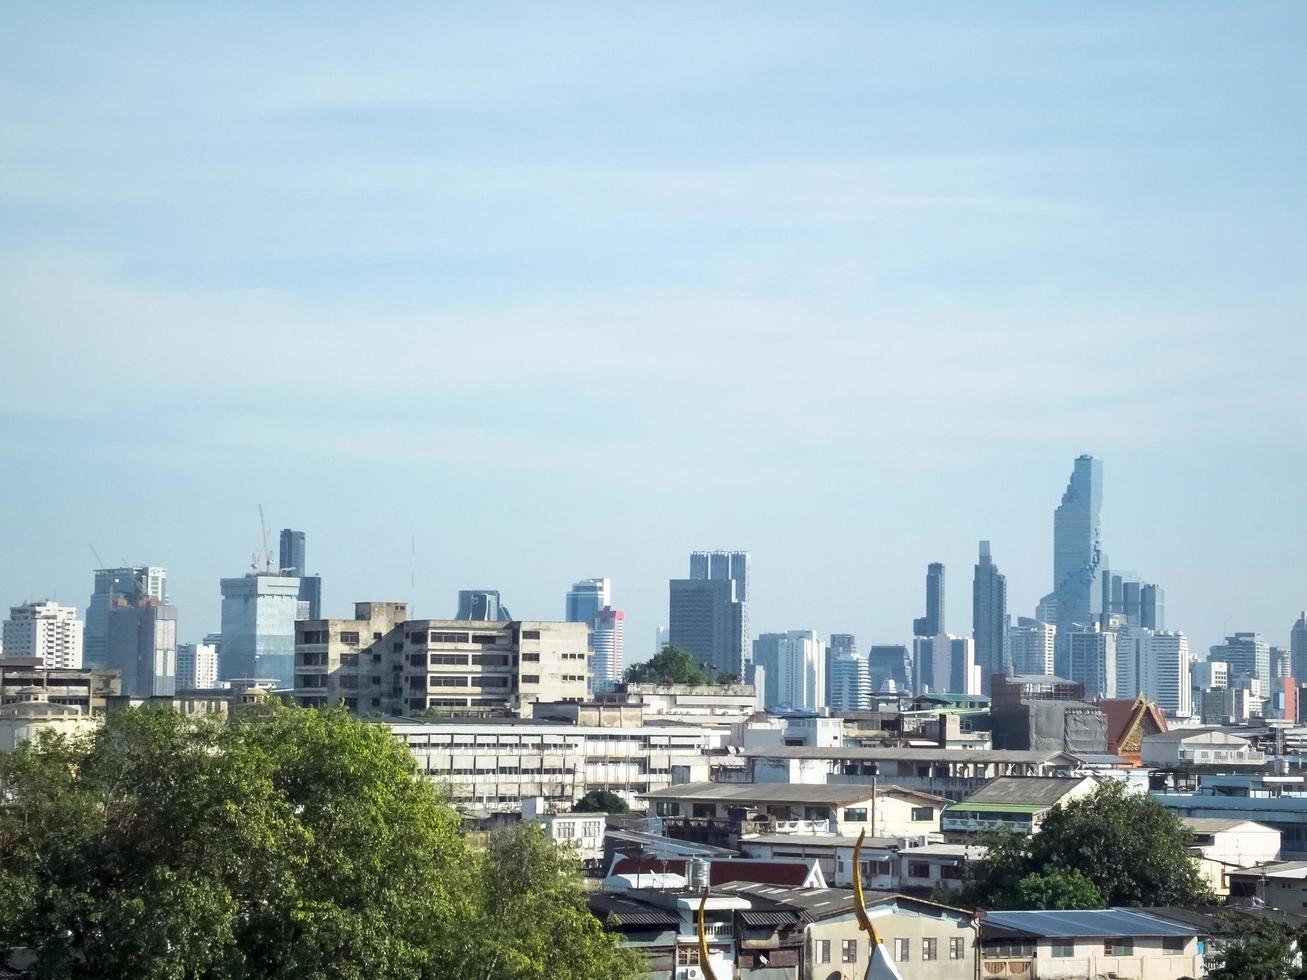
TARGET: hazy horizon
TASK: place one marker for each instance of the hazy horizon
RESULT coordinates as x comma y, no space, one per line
569,292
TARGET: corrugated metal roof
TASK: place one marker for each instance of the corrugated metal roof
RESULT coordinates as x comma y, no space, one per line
770,918
859,753
1096,922
997,808
1045,790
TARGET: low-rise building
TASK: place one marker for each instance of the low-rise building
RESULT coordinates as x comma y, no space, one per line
86,689
900,864
497,763
24,720
1059,945
582,831
704,705
1199,748
1282,885
950,773
721,812
1017,803
1278,802
1226,845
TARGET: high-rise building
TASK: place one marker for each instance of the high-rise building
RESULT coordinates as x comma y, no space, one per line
1155,664
586,598
146,582
947,664
1030,646
850,688
294,563
1298,650
989,617
1279,663
197,666
932,624
1091,654
1152,607
606,642
1131,601
1077,555
890,663
709,611
382,661
1248,656
839,645
47,631
258,627
143,646
795,669
481,605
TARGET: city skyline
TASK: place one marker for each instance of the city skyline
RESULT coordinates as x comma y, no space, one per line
958,287
639,642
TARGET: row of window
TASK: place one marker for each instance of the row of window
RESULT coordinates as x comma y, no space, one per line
1066,948
902,949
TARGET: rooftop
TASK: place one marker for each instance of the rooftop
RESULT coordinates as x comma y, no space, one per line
1089,923
1216,825
1282,869
744,793
860,753
1032,790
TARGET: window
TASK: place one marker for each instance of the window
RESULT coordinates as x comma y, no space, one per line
703,810
957,948
923,813
1063,948
928,949
1010,951
530,678
350,639
687,955
349,659
448,637
530,658
823,950
666,808
313,636
855,814
1173,945
902,950
848,951
1118,947
918,869
950,872
530,634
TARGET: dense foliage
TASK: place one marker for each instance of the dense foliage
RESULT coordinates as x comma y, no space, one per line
670,666
601,801
1265,950
1129,847
298,845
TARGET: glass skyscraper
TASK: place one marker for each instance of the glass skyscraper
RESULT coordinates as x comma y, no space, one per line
708,612
293,563
146,582
586,598
142,646
480,605
258,627
932,624
1077,555
989,617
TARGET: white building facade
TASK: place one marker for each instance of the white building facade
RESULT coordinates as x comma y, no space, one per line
197,666
47,631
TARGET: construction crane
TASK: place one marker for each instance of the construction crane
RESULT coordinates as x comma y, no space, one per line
267,549
97,556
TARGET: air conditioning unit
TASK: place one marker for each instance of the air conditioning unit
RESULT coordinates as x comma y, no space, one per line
693,973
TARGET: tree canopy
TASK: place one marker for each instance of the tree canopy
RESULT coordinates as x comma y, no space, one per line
1265,950
1129,847
601,801
671,665
302,844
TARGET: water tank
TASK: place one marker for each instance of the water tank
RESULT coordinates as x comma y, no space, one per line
697,873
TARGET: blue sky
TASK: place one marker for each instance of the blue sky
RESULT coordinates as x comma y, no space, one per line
571,290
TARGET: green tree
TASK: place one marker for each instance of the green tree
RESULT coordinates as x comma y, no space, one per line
1057,888
1264,950
299,845
535,923
601,801
671,666
1131,848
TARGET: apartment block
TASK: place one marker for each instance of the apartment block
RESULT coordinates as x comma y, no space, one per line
382,662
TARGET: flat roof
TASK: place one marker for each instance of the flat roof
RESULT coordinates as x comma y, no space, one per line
1035,790
1215,825
1092,922
1282,869
856,752
834,794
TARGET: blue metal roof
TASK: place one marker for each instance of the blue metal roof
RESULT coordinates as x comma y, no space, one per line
1096,922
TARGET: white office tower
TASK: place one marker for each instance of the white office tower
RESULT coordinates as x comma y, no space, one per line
1092,656
794,664
1156,665
47,631
952,665
850,678
1030,647
197,666
606,665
